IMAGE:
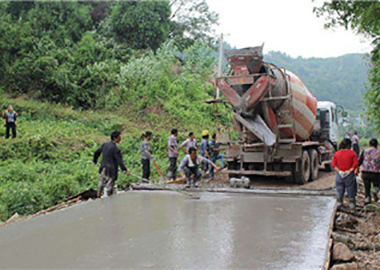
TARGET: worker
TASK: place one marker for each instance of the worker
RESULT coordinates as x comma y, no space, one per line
355,143
370,162
215,155
173,154
10,122
190,164
344,163
189,142
146,156
112,159
347,136
205,149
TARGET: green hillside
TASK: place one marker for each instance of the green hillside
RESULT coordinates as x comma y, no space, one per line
51,158
339,79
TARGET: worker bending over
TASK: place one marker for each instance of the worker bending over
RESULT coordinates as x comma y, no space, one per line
190,165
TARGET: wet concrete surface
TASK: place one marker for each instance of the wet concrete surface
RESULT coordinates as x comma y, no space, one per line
168,230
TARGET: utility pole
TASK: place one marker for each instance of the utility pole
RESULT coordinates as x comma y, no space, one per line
217,89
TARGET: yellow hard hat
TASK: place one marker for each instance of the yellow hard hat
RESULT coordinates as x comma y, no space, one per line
205,133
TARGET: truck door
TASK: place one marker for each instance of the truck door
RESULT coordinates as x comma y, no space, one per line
324,119
334,128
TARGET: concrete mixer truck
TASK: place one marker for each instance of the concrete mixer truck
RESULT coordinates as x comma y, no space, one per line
283,130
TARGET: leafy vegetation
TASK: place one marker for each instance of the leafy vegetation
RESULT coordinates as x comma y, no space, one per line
74,52
51,159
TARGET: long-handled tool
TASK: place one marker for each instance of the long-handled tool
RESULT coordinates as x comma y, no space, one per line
190,195
157,168
138,177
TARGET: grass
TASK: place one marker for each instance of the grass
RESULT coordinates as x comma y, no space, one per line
51,158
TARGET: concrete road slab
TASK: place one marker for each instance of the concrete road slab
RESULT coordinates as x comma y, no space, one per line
168,230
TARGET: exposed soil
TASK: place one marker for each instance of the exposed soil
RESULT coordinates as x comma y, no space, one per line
360,231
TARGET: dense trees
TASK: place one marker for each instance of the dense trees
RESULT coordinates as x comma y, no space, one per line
73,52
363,17
141,24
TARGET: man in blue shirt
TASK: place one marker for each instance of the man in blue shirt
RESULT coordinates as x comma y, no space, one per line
215,155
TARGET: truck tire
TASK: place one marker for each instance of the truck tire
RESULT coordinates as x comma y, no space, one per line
302,177
314,164
233,165
328,166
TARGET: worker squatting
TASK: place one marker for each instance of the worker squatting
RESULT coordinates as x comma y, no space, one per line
190,167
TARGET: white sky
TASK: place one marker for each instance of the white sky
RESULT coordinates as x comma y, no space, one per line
289,26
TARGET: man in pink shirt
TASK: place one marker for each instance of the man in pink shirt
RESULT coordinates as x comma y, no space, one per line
355,143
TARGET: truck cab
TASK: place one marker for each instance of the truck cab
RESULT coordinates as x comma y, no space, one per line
326,128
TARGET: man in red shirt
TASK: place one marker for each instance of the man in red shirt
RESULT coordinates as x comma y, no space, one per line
344,163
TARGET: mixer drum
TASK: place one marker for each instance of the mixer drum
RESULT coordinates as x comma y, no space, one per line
304,106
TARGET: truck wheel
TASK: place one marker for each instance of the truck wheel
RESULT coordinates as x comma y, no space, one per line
314,163
233,166
301,177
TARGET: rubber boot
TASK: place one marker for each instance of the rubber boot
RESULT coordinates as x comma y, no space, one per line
195,183
339,202
352,205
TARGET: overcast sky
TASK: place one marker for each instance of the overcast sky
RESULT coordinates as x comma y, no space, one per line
289,26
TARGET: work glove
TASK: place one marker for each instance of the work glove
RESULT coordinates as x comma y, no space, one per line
344,174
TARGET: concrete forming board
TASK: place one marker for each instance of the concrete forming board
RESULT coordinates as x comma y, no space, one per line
168,230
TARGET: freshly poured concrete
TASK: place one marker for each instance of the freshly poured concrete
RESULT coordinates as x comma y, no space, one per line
167,230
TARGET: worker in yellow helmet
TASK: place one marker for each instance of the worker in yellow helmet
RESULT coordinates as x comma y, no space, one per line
205,149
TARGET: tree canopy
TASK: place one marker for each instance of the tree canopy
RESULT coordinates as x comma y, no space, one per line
72,52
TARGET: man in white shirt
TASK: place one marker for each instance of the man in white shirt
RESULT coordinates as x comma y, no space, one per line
190,166
189,142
